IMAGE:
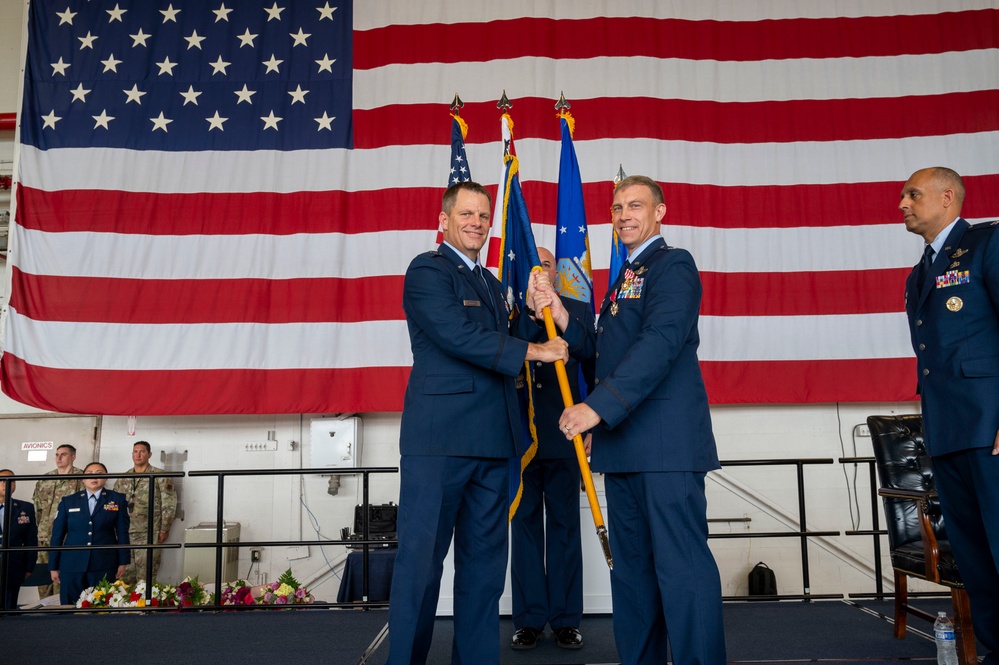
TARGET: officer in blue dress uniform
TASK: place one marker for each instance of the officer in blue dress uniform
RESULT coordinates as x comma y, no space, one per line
952,303
95,516
459,422
546,556
22,531
652,439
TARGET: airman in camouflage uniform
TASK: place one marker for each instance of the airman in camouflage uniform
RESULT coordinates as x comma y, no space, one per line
48,494
136,491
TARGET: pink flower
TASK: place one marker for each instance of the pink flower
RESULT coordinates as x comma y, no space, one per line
299,593
268,597
248,599
274,586
282,600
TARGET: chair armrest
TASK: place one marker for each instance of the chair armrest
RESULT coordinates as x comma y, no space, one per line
926,503
915,495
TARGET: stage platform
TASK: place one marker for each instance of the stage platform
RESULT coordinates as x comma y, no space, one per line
831,632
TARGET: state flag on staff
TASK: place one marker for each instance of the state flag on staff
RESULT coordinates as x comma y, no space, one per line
572,238
216,205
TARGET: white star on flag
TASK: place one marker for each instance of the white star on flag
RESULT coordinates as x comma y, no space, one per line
102,120
215,122
271,121
160,122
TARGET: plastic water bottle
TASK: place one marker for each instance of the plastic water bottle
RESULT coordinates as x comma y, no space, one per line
943,634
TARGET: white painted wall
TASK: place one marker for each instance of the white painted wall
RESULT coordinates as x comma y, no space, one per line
291,507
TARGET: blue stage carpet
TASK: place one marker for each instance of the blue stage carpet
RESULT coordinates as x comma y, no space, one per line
831,632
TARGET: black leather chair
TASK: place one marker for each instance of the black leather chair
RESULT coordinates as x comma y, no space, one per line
916,534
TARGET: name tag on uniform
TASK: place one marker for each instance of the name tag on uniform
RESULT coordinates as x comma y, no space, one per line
473,303
74,510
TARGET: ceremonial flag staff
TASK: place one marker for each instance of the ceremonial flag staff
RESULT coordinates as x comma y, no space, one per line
518,236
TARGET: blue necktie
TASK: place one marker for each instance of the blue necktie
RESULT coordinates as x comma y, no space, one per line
93,503
489,291
924,268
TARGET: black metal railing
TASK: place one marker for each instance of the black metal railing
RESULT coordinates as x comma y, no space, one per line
803,534
365,541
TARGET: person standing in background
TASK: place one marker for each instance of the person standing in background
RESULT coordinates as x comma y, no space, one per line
546,554
46,497
162,511
21,532
94,516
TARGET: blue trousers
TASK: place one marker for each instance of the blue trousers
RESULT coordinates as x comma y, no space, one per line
546,560
968,484
665,584
441,497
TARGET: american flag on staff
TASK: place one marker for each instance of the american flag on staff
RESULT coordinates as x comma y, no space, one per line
216,202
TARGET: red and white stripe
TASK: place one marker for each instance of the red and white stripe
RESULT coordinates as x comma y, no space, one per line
270,282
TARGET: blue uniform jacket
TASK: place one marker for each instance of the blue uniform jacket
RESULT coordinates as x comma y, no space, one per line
74,525
461,397
954,325
649,391
23,533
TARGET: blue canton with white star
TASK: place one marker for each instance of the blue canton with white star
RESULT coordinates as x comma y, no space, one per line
188,75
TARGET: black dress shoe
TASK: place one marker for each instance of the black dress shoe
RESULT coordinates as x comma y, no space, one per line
526,638
568,638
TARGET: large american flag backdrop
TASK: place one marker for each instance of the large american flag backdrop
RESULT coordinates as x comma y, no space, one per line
216,202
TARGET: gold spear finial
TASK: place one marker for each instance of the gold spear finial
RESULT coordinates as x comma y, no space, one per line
456,104
621,175
504,104
561,104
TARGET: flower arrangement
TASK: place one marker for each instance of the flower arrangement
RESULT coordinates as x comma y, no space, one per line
237,593
119,594
191,592
286,591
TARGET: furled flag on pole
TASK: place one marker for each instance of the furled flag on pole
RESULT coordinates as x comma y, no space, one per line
572,240
460,171
517,255
618,252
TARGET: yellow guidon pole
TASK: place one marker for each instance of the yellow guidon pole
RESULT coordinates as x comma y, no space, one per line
577,442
